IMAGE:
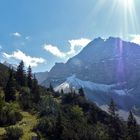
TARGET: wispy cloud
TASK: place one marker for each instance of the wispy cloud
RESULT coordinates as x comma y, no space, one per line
16,34
54,50
135,38
76,45
0,47
28,60
28,38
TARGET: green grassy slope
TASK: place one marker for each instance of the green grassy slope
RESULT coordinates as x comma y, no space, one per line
27,124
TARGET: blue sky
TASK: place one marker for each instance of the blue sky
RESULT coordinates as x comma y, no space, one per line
43,32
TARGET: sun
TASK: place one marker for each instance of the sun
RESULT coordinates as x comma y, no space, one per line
127,3
124,12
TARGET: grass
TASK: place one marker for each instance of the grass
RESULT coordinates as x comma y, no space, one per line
27,123
2,131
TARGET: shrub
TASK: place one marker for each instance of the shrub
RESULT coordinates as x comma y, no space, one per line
47,106
46,125
25,98
9,115
13,133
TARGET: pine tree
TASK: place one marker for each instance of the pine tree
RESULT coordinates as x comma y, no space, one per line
132,128
35,90
20,74
10,89
113,109
62,92
81,92
1,102
59,126
115,126
29,77
51,88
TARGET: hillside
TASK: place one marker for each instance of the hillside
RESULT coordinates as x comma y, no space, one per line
29,111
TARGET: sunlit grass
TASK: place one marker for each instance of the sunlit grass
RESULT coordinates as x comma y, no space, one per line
27,123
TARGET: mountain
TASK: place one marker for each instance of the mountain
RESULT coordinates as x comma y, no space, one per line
104,62
75,83
41,76
14,66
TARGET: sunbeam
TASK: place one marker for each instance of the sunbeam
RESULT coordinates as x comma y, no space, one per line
129,15
127,3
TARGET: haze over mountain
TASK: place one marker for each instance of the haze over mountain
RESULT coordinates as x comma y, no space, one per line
41,76
112,65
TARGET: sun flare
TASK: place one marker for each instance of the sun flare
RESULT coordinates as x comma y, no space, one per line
126,3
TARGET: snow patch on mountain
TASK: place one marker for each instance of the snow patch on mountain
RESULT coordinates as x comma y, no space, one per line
73,83
121,92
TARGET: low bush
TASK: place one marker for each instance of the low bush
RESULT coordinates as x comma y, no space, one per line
13,133
9,115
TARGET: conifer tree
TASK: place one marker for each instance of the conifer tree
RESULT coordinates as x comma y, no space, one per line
113,109
1,102
10,89
62,92
115,126
132,128
59,126
81,92
29,77
35,90
20,74
51,88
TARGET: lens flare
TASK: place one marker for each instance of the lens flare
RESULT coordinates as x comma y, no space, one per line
127,3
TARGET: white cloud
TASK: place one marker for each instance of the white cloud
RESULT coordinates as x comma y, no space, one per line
16,34
135,39
54,50
79,43
28,60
